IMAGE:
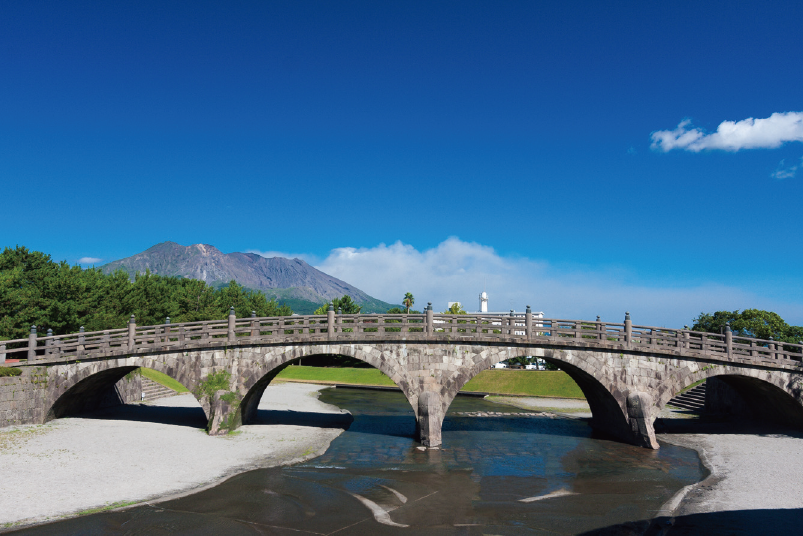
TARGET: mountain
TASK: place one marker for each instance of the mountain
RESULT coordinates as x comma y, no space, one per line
290,281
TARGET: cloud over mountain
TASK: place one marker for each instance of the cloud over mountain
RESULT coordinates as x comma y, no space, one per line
455,270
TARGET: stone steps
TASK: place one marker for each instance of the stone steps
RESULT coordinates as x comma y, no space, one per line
691,400
152,390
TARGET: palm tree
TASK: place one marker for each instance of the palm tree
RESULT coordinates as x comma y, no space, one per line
408,301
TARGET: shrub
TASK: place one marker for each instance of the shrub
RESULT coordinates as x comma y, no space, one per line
10,371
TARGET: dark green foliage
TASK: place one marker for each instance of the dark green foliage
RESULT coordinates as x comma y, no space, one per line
400,311
10,371
749,323
346,305
36,290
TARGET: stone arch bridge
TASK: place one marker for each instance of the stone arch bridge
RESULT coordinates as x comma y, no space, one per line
628,373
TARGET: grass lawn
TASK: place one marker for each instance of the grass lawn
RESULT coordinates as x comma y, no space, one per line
356,376
554,383
506,382
164,379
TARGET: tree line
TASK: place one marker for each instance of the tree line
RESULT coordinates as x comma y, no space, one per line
35,290
754,323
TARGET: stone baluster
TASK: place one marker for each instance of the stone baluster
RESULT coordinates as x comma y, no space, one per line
578,330
81,341
132,333
628,329
49,342
728,340
600,331
2,353
339,327
254,325
771,348
330,321
232,318
32,344
528,322
511,324
167,331
686,338
430,319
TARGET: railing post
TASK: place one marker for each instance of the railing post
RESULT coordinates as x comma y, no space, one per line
49,341
599,330
430,319
2,353
628,329
771,347
578,328
32,344
728,340
330,321
685,344
167,331
339,328
511,324
528,323
254,330
132,331
81,340
232,318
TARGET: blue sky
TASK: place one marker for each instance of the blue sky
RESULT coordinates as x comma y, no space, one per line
565,154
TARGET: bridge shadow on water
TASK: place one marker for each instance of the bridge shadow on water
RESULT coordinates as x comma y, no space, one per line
737,522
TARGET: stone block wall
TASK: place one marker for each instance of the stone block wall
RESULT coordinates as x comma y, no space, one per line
22,398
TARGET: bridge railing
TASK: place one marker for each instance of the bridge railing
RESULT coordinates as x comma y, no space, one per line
232,330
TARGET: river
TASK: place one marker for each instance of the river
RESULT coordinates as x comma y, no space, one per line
504,475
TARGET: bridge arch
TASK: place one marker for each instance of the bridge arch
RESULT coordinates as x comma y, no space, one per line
91,385
273,360
773,395
607,403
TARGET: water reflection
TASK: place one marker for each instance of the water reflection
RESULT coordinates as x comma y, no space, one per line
515,474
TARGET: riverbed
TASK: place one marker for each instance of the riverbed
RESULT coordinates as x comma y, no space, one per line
502,470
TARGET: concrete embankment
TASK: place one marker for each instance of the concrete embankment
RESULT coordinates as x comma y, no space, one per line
138,453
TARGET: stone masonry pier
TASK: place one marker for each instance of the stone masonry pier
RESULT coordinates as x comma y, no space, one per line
626,372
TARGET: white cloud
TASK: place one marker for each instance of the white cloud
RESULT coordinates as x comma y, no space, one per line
309,259
89,260
784,172
749,133
456,271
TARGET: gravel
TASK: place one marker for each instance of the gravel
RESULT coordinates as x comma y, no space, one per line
143,453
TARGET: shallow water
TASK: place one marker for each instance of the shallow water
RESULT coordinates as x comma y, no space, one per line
494,475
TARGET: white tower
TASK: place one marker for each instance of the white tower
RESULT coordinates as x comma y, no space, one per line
483,302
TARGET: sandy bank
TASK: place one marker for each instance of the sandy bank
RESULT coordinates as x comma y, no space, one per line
138,453
749,471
